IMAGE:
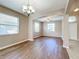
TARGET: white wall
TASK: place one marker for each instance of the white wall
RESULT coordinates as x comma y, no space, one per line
22,35
77,28
73,31
58,29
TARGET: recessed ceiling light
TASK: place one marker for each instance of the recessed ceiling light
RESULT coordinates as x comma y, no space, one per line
77,9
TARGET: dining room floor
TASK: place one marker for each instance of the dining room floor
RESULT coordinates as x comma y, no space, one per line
40,48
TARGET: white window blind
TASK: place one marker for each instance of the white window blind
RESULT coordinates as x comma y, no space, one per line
37,27
8,24
51,27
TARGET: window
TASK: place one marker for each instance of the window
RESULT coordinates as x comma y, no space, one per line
72,19
8,24
37,26
51,26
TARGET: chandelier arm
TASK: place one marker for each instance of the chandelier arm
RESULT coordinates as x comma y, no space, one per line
28,8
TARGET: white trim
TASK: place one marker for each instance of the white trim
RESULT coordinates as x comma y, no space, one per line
12,44
36,36
68,51
30,39
66,6
65,47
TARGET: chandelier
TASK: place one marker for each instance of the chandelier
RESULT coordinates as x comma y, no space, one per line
28,9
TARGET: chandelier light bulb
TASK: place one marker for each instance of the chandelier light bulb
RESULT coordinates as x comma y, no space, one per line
33,10
28,9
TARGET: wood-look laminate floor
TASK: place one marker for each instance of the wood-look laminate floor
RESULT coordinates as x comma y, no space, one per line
41,48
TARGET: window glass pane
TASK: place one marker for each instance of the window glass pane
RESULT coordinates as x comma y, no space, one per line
51,27
72,19
8,24
37,27
7,19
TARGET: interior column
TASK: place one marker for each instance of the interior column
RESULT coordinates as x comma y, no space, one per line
30,28
65,31
77,27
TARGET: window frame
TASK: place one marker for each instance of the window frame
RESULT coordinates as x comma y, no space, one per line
18,29
35,28
51,29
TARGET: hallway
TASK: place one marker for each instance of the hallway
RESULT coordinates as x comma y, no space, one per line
41,48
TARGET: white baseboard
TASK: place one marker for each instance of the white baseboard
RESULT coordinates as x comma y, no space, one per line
30,39
36,37
68,51
65,47
52,36
12,44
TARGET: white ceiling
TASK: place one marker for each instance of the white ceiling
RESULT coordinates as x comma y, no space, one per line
50,18
56,18
73,4
39,5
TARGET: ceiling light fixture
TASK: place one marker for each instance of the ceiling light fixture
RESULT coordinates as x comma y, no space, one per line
77,9
28,9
